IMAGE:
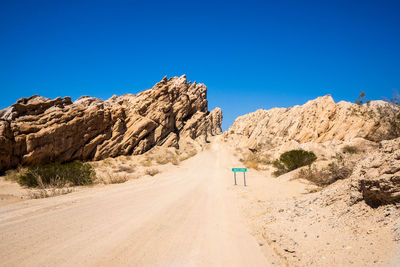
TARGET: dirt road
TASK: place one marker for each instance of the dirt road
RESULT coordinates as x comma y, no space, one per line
188,216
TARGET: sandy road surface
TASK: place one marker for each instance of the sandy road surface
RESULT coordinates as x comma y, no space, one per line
187,216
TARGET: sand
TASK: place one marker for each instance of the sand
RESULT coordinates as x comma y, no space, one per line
188,215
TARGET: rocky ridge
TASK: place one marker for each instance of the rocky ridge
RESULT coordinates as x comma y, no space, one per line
39,130
319,120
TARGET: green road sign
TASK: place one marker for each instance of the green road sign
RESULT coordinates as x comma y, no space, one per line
239,169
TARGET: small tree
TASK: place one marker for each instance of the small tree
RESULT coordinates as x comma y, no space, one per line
292,160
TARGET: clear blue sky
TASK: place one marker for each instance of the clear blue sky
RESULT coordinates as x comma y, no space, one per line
250,54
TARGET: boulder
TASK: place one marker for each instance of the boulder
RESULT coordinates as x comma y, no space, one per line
376,179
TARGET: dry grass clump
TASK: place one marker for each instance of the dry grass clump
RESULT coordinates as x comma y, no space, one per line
161,156
188,155
325,176
175,161
207,146
146,162
256,161
108,162
45,192
110,177
125,168
252,165
13,175
167,158
162,160
123,158
152,171
118,179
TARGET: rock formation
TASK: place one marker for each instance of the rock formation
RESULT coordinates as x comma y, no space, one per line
376,179
319,120
38,130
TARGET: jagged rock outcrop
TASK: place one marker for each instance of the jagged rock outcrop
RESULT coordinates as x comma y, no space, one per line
376,179
37,130
319,120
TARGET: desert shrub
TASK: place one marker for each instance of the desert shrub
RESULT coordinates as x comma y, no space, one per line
252,165
254,160
13,174
118,179
350,149
338,172
297,158
124,168
45,193
188,155
175,160
146,163
280,168
192,153
162,160
325,176
292,160
108,162
168,157
152,171
111,177
57,175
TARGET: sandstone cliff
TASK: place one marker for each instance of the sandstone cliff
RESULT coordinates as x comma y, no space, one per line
38,130
319,120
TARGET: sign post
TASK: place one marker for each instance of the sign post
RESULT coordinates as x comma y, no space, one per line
244,170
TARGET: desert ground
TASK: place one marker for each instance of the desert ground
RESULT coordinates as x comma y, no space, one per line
192,215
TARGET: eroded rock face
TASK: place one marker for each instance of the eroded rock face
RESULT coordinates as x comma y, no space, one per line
319,120
376,179
38,130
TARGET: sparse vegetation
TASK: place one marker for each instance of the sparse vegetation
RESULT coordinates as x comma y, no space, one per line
188,155
336,170
256,160
152,171
57,175
146,163
386,114
125,168
325,176
167,158
292,160
162,160
45,193
14,174
118,179
112,177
